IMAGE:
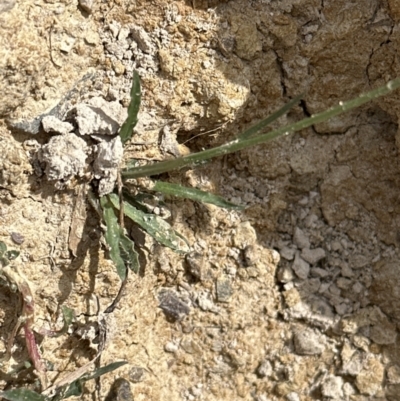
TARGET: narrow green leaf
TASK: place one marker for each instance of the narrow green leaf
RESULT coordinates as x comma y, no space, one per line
126,130
105,369
239,144
22,394
73,389
3,247
112,236
154,225
274,116
128,253
122,249
194,194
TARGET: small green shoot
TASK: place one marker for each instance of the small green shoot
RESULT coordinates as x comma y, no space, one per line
75,388
126,130
122,248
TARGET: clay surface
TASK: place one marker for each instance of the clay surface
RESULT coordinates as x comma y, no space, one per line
294,298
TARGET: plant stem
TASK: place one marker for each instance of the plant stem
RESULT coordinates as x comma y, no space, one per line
239,144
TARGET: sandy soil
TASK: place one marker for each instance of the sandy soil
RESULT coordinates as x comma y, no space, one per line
294,298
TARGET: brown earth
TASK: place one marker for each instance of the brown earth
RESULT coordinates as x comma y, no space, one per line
294,298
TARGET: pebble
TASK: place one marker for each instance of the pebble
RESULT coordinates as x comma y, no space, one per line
285,274
369,381
265,369
343,283
86,5
137,374
393,374
172,305
300,239
292,396
245,235
318,272
313,256
171,347
300,267
120,391
6,5
17,238
308,342
53,124
250,255
332,387
287,253
223,289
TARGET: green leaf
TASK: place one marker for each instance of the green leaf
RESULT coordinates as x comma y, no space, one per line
22,394
126,130
105,369
11,255
239,143
4,261
262,124
3,247
121,248
112,236
73,389
154,225
128,253
194,194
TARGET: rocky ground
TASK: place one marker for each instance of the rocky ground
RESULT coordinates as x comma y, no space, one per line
294,298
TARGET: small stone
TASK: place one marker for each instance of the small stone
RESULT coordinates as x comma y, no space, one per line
313,256
6,5
359,261
332,387
86,5
308,342
245,235
357,287
343,283
137,374
118,67
352,360
64,156
348,390
369,381
300,238
393,374
300,267
223,289
265,369
346,271
336,246
287,253
17,238
205,302
318,272
190,346
250,255
383,333
120,391
341,309
172,305
285,274
292,396
92,38
292,297
195,263
171,347
53,124
143,39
